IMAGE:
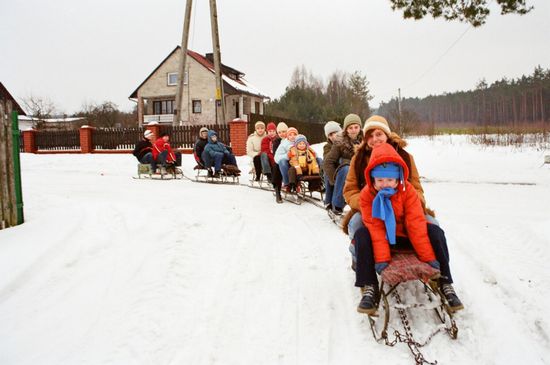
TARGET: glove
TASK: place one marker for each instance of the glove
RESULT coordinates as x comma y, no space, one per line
434,264
379,267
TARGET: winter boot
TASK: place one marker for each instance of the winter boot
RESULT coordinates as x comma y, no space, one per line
268,176
337,210
452,299
278,196
369,300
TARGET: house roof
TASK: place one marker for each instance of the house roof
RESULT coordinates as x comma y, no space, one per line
230,85
5,95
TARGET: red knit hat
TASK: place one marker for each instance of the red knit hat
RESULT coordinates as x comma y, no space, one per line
271,126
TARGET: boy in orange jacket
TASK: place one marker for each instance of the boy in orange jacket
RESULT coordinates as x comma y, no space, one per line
393,218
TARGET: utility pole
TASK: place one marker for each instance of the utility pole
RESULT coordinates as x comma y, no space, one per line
399,112
183,59
220,100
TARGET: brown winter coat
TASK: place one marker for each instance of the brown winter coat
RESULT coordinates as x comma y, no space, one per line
340,155
353,186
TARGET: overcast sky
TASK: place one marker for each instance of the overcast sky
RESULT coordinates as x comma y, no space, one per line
76,51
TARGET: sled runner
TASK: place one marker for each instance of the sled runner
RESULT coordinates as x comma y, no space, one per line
169,172
263,183
207,176
405,267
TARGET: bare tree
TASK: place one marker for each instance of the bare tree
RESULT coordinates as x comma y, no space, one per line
40,108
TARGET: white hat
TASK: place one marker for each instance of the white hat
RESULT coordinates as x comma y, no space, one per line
332,127
148,133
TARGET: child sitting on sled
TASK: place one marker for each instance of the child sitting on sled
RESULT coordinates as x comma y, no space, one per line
394,219
303,162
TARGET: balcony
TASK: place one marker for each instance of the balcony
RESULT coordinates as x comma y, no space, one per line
159,118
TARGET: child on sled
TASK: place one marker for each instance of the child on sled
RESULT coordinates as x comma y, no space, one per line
303,162
394,219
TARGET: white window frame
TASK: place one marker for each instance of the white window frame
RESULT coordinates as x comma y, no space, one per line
193,106
176,82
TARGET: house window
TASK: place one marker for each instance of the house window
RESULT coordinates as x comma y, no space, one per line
172,78
163,106
257,107
197,107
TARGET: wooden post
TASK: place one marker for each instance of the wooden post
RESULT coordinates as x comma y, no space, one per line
7,180
183,60
220,98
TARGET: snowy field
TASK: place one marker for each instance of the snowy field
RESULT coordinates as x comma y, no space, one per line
112,270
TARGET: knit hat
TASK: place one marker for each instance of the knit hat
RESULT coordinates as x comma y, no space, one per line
282,127
259,123
292,130
351,119
387,170
377,122
203,129
300,138
271,126
148,133
332,127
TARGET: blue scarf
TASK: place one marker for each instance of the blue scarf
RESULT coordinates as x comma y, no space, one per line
382,209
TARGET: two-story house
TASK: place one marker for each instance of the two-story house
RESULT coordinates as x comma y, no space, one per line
156,96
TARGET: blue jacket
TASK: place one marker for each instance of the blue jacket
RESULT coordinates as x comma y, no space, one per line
282,150
212,148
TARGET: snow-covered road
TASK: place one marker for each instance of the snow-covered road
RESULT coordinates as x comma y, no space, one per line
111,270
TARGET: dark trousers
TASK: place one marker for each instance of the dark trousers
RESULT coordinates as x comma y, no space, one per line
257,165
276,177
364,271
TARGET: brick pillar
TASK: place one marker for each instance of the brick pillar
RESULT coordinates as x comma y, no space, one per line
29,141
86,139
238,133
155,128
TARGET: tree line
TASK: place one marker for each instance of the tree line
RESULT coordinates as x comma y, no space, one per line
309,99
520,102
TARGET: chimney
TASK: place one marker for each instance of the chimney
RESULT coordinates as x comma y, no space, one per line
210,57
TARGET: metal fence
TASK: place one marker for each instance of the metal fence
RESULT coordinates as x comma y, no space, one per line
57,140
314,131
186,136
116,138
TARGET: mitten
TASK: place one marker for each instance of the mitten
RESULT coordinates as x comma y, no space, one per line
380,266
434,264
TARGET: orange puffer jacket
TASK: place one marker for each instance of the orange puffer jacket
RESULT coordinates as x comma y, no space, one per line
409,215
304,162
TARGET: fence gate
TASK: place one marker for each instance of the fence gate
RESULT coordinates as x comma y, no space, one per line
11,197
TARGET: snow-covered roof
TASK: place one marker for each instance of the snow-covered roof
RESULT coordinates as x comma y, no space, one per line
231,85
50,120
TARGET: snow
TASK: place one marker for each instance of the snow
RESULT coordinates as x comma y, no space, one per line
112,270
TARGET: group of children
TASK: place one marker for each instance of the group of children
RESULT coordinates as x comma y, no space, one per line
284,157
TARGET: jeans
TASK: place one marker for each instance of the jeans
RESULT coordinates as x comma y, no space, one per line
339,182
284,166
328,191
266,166
207,160
147,158
161,159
